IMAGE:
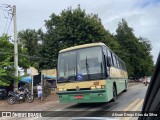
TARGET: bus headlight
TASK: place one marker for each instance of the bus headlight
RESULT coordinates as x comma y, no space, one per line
61,89
98,87
102,86
93,87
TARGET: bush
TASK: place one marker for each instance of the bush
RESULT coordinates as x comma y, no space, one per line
46,89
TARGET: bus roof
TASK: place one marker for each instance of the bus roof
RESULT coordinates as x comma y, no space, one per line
87,45
82,46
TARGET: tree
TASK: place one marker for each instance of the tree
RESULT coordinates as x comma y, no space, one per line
6,61
30,43
72,27
134,51
147,59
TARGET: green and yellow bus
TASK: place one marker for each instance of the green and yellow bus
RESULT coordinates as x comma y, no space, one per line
90,73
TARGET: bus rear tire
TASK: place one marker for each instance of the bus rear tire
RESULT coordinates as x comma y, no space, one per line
114,94
125,90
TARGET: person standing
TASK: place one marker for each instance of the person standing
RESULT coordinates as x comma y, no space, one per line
39,91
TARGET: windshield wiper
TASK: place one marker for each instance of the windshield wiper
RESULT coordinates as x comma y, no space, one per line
64,81
70,77
67,79
87,68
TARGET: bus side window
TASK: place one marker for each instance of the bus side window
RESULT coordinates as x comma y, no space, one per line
106,67
109,55
123,66
120,63
117,61
114,60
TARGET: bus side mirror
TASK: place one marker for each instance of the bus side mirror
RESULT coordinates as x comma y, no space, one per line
108,62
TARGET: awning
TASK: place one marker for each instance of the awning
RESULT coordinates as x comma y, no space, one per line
50,77
27,79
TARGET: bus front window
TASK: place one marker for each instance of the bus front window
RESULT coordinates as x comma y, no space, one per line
79,65
90,64
67,66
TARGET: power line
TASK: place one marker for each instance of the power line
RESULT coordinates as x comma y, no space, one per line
6,22
9,9
4,13
27,56
9,25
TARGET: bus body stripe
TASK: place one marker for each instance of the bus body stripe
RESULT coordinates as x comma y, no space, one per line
80,92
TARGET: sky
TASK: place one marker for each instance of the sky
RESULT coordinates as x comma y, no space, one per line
141,15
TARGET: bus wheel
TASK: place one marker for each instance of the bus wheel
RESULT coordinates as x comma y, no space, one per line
114,94
125,90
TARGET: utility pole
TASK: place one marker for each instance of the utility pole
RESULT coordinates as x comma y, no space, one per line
11,10
15,46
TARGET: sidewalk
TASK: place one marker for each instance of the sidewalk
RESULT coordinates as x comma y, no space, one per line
130,84
25,106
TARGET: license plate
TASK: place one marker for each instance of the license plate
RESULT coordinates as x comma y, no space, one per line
79,96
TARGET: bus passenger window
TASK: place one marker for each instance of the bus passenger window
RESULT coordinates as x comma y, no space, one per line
117,62
109,55
120,63
114,60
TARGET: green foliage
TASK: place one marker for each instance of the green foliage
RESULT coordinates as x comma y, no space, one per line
134,51
6,61
46,89
29,42
23,59
72,27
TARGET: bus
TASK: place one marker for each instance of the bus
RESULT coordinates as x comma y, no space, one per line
90,73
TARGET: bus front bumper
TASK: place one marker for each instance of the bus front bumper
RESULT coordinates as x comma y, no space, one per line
85,96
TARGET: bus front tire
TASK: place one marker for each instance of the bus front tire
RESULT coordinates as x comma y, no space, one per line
125,90
114,94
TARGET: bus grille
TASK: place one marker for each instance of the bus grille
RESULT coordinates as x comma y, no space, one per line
79,89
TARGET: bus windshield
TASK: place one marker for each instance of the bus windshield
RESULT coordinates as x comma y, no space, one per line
79,65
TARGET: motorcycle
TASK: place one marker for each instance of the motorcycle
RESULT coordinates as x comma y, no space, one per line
24,95
145,83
